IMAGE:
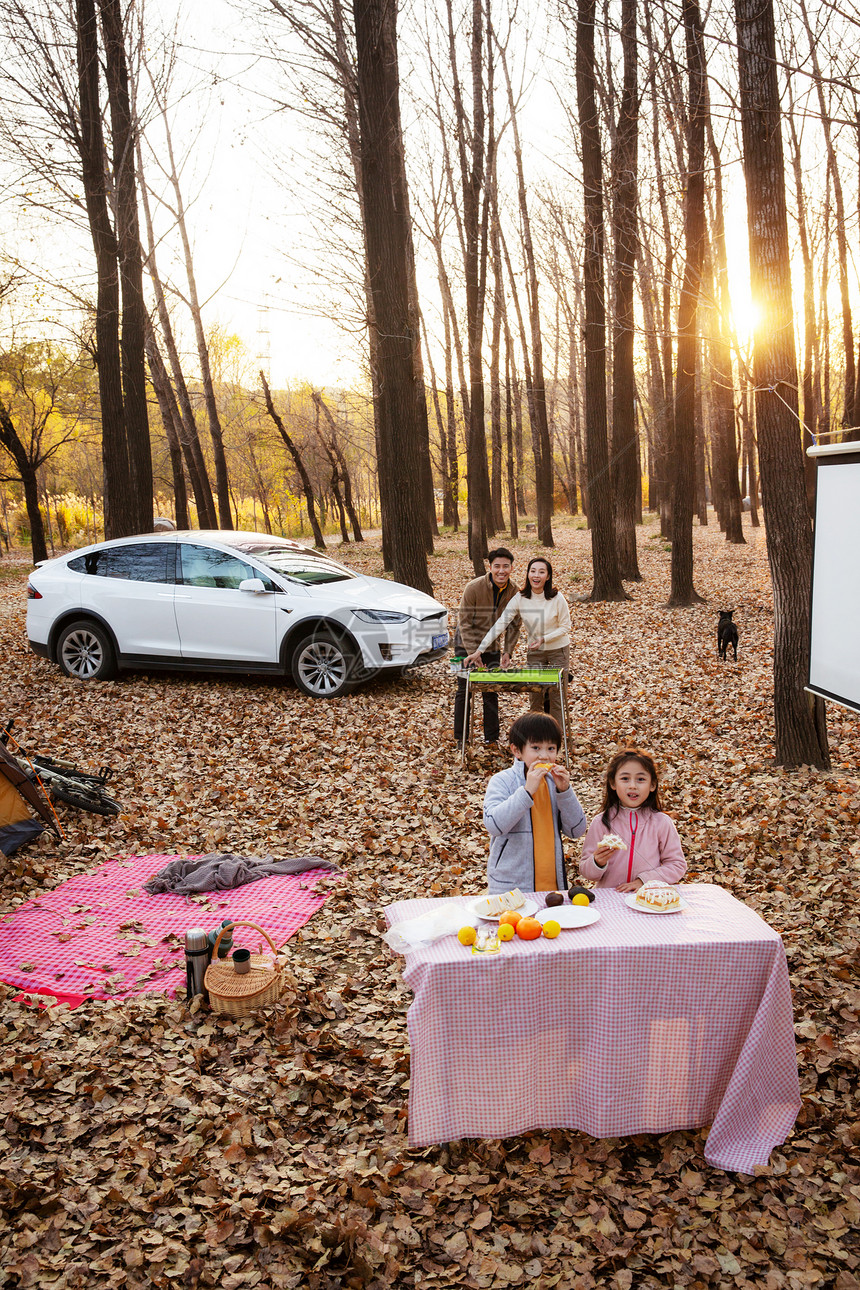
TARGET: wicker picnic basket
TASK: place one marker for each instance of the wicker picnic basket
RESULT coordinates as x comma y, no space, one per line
239,994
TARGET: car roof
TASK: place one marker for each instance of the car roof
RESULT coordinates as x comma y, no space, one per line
237,538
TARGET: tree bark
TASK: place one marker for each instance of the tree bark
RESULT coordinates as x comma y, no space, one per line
625,463
171,421
604,556
134,315
684,477
801,735
341,461
388,244
319,540
10,440
119,503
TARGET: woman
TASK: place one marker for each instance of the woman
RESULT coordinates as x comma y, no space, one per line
545,617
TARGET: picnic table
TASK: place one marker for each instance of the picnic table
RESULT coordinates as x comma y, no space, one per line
639,1023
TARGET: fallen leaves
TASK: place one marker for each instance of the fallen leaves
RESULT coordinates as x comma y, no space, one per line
150,1144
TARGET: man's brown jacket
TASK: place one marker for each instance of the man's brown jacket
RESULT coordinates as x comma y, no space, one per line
477,613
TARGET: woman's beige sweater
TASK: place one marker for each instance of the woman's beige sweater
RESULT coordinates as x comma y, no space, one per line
541,618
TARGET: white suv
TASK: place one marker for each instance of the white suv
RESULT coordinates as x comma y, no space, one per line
228,602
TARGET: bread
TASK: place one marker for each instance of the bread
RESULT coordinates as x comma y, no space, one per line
489,905
612,841
658,895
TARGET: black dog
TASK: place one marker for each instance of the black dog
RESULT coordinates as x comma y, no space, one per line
727,634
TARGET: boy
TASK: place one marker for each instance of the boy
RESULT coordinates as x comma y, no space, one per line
528,807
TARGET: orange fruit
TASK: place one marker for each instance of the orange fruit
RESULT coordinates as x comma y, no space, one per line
551,928
529,929
510,916
467,936
505,932
580,899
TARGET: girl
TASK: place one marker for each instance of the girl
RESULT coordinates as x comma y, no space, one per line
545,615
632,810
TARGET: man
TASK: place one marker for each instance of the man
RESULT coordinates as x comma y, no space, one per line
483,602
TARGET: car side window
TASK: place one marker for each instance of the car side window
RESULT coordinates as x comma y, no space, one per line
201,566
138,562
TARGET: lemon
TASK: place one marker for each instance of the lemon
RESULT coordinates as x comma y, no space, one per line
467,935
551,928
580,899
505,932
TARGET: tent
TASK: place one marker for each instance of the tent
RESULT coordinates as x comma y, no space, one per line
17,796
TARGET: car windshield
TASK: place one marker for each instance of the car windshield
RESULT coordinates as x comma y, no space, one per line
303,566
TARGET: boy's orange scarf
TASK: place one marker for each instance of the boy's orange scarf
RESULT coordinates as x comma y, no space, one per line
543,839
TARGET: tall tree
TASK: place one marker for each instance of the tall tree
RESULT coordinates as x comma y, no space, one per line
801,733
684,470
625,157
388,243
604,555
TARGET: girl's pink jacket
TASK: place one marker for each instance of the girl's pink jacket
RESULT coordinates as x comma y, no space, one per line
655,851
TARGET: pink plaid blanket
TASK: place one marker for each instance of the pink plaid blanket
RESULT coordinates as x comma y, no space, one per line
639,1023
100,935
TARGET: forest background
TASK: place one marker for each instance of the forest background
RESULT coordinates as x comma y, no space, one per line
524,223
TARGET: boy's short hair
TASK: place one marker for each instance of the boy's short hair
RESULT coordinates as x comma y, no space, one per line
500,553
534,727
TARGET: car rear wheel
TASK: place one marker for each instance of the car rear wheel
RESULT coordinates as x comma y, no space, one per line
85,652
323,666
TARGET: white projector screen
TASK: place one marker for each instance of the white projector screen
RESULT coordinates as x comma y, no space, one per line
834,656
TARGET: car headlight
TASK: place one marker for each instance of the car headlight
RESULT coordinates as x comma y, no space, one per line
381,616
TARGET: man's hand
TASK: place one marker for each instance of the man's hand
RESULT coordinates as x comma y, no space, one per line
505,662
472,659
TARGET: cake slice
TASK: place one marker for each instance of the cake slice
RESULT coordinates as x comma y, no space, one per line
658,895
499,903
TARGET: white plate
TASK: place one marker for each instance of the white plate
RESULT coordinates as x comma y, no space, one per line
569,915
640,909
526,909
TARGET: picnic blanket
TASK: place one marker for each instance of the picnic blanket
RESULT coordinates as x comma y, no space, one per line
100,935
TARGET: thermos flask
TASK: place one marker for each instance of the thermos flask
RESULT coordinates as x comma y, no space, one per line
197,955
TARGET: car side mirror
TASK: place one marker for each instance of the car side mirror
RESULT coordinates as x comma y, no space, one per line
255,585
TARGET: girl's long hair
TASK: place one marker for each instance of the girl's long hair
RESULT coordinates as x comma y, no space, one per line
611,800
548,589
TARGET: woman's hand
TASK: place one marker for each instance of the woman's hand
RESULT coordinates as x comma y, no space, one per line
471,659
505,662
630,886
535,645
561,778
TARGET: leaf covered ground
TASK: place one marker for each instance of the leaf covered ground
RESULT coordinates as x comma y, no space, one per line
146,1145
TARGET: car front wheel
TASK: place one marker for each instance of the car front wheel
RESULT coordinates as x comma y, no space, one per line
323,666
85,652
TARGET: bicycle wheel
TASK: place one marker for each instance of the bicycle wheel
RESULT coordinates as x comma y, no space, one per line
66,770
85,800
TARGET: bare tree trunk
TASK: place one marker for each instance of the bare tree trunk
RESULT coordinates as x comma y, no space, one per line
27,469
801,734
334,446
495,347
388,246
222,483
810,411
543,459
625,464
319,540
171,421
475,224
509,426
684,480
134,315
120,509
601,518
187,426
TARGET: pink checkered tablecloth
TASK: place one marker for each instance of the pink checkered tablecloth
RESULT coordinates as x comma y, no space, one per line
639,1023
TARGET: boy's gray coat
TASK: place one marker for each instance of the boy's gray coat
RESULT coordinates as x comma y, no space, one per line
507,818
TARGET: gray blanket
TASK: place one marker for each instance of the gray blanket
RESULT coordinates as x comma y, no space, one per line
221,870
